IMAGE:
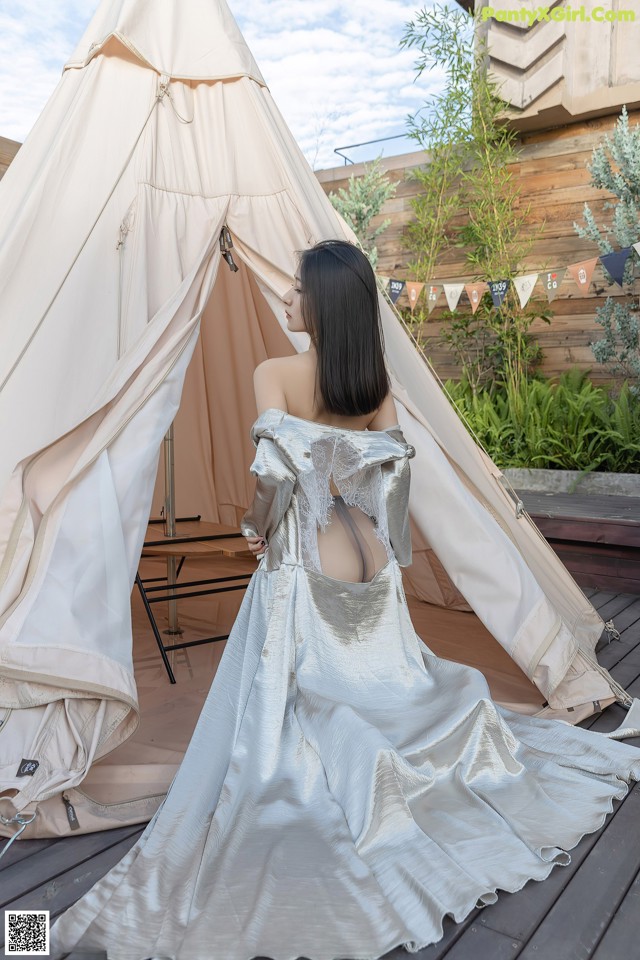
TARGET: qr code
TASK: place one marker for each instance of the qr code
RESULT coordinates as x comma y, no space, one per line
26,932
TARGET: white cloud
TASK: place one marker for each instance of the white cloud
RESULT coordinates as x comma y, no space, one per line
36,38
335,69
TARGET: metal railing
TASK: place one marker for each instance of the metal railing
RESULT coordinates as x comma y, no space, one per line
366,143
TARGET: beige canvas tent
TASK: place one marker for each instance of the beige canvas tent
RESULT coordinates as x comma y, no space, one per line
116,315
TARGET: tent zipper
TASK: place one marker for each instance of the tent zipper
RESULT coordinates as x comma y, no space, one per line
624,699
121,803
74,823
72,817
123,232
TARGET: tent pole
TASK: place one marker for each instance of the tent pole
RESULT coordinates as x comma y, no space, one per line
170,527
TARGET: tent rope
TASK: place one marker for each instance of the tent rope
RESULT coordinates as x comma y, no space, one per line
163,87
612,633
24,822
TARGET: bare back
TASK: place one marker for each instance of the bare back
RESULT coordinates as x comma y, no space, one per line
348,546
299,378
287,383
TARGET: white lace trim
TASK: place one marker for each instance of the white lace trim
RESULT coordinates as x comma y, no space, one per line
359,485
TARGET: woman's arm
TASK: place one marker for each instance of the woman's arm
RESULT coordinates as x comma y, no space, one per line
269,394
267,385
396,480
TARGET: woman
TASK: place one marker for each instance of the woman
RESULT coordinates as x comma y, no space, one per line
344,789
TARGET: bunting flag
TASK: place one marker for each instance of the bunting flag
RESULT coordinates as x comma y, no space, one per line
453,292
475,292
524,287
551,281
433,295
395,289
414,290
582,273
614,263
498,290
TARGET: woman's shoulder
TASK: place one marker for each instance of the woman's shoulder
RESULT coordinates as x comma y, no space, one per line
269,379
272,366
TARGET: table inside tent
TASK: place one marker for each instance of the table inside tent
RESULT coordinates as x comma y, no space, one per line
195,539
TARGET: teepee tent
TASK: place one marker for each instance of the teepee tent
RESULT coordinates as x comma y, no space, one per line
115,314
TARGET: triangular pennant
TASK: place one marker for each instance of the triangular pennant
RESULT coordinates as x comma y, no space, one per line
475,292
636,247
498,290
614,263
453,292
524,287
582,273
395,289
433,294
413,292
552,281
384,281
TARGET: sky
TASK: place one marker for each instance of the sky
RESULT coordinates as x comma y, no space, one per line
334,67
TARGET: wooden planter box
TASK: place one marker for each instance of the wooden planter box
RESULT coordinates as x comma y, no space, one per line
595,534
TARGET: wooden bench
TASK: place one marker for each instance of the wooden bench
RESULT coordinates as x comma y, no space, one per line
597,537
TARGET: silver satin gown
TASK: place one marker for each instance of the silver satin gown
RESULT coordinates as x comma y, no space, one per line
344,788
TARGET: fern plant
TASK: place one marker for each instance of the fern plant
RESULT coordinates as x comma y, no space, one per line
569,425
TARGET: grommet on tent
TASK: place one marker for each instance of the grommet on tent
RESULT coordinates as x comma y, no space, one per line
226,244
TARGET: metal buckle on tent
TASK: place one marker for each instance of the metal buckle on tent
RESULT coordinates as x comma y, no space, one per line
163,86
127,225
226,244
519,509
611,631
24,823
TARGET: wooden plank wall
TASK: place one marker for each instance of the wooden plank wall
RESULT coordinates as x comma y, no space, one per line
552,173
8,150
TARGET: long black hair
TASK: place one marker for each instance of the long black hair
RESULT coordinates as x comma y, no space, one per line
340,311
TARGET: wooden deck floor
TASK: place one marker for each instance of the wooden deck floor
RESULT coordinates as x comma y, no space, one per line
586,911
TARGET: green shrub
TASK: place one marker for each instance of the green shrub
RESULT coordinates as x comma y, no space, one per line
363,200
615,166
569,425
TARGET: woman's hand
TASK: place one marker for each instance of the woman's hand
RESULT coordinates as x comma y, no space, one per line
256,544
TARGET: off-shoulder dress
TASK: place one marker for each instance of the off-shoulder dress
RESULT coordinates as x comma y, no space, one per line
344,789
